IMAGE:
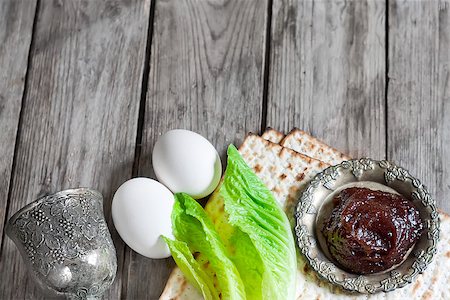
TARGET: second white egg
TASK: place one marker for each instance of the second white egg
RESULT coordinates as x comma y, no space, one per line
141,210
184,161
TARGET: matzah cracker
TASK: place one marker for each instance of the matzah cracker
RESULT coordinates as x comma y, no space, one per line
433,284
273,135
284,171
304,143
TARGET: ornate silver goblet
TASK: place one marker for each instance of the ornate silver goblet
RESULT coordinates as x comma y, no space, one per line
64,240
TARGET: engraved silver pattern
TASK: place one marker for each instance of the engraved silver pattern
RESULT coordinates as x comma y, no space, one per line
65,241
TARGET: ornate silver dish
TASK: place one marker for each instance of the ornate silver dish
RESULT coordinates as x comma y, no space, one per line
315,204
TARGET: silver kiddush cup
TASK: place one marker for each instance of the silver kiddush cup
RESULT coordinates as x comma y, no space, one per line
65,242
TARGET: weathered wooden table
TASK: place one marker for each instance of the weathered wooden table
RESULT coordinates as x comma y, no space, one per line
87,86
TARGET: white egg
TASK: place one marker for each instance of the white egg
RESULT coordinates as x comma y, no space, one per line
141,210
184,161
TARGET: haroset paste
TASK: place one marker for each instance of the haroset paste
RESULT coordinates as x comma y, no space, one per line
371,231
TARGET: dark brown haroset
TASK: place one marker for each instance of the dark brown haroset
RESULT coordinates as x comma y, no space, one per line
371,231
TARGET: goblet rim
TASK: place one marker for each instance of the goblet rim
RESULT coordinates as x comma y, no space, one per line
43,198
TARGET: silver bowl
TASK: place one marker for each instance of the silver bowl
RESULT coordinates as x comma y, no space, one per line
65,242
315,204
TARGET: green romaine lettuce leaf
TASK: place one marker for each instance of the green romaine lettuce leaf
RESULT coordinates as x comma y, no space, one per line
192,269
261,228
191,226
246,250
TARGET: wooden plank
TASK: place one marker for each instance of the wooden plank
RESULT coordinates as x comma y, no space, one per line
327,72
419,92
206,75
80,113
16,26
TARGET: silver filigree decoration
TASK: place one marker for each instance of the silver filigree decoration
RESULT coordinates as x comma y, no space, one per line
66,233
358,167
328,177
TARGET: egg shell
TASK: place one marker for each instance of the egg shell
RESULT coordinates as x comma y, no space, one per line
185,161
141,210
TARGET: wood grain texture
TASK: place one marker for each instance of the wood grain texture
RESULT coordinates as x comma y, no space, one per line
419,92
206,75
327,72
16,26
79,114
